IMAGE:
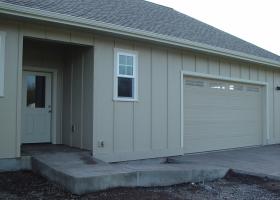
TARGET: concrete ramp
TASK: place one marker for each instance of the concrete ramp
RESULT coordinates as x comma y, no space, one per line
81,174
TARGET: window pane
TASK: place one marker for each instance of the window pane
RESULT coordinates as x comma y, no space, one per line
36,86
125,70
129,71
126,65
122,59
125,87
122,70
130,60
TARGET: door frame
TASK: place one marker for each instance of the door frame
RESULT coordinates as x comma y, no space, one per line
265,109
54,81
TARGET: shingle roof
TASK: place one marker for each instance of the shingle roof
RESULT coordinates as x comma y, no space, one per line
147,16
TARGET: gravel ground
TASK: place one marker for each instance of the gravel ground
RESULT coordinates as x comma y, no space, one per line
27,186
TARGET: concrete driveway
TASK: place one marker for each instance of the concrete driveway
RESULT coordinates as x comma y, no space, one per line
261,161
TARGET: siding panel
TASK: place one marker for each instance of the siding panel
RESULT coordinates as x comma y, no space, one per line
123,127
174,67
235,70
225,68
262,75
214,66
276,108
189,62
33,30
81,38
159,99
103,95
201,64
142,108
76,84
271,104
8,104
58,34
254,75
245,72
88,100
123,116
66,122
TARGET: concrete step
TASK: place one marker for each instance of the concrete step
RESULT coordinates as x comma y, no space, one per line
81,174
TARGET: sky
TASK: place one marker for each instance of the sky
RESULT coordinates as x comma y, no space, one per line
256,21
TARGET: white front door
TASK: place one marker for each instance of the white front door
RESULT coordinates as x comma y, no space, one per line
36,107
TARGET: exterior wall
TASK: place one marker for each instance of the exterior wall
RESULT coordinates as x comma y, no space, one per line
8,103
150,127
87,105
147,128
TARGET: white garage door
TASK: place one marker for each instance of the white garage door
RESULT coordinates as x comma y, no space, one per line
221,115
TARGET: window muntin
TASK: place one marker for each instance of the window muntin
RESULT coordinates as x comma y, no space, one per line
126,77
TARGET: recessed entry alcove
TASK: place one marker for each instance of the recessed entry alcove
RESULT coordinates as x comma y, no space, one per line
57,93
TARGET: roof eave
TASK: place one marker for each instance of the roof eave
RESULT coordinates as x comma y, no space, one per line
37,14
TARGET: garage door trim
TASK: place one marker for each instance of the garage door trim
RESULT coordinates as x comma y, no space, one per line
222,78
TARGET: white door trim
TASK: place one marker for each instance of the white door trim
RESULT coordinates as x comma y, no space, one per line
54,97
222,78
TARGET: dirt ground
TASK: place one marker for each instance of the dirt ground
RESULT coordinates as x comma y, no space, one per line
27,186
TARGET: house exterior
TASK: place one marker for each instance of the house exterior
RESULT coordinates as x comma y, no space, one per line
130,80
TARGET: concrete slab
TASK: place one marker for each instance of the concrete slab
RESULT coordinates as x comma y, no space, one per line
261,161
80,173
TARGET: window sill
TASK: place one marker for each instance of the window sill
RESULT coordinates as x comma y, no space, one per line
125,99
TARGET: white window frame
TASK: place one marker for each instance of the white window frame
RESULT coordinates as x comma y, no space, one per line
134,54
2,62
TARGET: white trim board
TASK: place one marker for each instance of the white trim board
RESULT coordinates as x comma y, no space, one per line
222,78
2,62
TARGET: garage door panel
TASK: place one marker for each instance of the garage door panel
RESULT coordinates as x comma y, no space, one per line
217,102
215,140
222,107
195,125
223,116
217,119
223,96
221,135
232,142
215,131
